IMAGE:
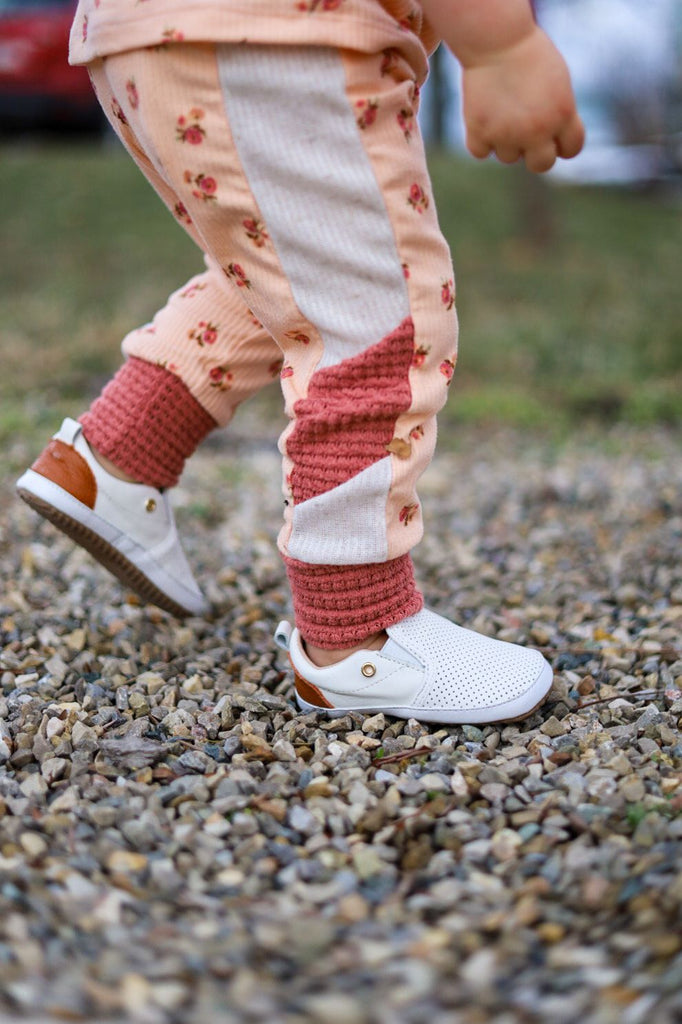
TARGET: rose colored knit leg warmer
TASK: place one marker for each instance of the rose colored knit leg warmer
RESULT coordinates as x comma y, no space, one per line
344,425
337,606
147,422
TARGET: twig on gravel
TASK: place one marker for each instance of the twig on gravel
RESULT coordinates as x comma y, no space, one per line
668,653
637,695
401,755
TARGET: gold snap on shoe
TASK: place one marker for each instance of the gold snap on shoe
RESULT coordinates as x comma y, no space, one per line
368,669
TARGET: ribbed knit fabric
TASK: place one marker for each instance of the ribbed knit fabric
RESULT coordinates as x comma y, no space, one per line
208,337
147,422
337,606
101,29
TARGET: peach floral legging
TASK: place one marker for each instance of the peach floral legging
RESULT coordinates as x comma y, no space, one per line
300,173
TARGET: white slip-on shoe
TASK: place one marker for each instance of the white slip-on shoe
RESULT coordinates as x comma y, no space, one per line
428,669
127,527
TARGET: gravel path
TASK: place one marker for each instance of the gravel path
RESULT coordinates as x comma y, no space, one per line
179,846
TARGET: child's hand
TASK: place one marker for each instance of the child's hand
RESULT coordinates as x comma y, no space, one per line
519,104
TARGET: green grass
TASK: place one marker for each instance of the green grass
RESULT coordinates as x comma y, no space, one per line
584,320
636,813
567,315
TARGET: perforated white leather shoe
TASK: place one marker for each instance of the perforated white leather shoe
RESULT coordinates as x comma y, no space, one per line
129,528
428,669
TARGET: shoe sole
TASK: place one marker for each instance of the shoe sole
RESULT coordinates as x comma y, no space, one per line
420,714
106,554
446,716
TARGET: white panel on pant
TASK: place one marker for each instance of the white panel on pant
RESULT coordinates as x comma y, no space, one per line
347,525
299,146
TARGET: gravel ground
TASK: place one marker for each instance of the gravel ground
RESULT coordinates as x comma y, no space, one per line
179,846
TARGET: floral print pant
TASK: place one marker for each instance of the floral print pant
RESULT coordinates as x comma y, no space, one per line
300,173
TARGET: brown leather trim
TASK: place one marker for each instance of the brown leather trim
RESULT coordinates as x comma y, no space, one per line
310,693
64,466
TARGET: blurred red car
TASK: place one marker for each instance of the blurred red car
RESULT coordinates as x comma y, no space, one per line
38,88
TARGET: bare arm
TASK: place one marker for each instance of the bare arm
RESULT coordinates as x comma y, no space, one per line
518,99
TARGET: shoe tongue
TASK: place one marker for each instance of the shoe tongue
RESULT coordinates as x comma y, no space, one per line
392,649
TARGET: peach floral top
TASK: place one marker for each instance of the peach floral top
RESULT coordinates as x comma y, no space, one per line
103,27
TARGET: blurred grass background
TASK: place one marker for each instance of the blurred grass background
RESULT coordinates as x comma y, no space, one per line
570,299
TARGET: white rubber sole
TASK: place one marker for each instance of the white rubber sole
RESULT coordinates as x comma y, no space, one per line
510,711
111,547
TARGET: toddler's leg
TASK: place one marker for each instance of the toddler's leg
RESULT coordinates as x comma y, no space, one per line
101,481
309,188
203,354
329,144
359,245
333,239
301,173
187,371
307,184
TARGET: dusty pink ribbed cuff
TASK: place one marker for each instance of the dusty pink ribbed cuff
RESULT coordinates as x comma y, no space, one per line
147,422
337,606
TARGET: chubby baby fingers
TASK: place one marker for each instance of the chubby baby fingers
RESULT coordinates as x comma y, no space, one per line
508,152
566,144
571,138
541,158
477,145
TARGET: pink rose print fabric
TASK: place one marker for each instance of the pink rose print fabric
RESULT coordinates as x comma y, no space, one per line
406,122
205,333
407,514
133,95
309,6
205,187
189,129
417,198
172,35
299,336
117,111
236,272
447,368
255,230
221,377
367,113
180,211
447,293
420,354
397,27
